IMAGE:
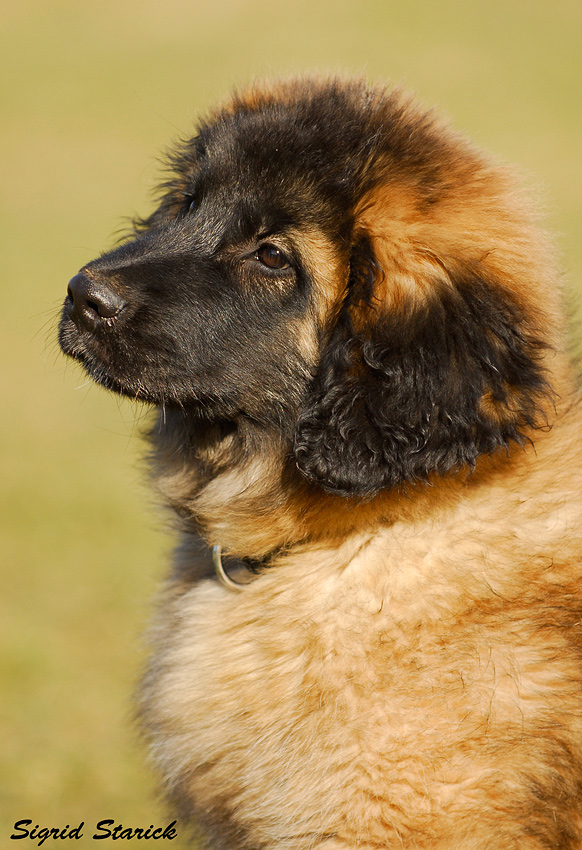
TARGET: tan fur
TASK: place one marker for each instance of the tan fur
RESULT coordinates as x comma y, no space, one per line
407,673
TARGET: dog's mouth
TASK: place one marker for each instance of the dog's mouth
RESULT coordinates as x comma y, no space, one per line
94,345
112,362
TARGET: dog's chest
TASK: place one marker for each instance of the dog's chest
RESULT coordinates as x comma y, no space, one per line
289,701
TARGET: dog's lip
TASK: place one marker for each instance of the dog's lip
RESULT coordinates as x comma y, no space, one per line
69,333
74,340
73,344
101,375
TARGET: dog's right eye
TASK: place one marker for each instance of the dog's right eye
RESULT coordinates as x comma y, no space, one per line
272,257
189,204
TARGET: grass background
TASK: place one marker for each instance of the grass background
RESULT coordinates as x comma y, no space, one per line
91,92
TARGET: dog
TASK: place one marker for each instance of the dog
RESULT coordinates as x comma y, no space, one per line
369,432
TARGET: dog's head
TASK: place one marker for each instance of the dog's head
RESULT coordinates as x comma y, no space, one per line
329,261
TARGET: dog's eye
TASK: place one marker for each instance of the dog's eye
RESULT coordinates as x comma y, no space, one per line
189,205
272,257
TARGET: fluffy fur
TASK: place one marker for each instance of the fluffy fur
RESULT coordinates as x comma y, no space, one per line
351,323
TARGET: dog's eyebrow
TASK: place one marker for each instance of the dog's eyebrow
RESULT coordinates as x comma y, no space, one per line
270,233
243,224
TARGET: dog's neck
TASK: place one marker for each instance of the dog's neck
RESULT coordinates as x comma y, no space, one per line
233,485
238,488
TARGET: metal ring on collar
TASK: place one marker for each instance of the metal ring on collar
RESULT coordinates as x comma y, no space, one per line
222,575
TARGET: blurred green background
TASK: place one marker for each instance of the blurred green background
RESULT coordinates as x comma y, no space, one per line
91,93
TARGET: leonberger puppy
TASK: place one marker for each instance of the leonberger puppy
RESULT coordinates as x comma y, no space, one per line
369,431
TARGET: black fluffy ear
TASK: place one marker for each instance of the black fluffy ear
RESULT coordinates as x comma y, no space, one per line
423,389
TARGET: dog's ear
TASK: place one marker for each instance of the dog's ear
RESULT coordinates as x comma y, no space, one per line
424,372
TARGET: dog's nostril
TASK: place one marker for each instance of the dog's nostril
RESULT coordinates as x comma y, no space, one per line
104,310
89,302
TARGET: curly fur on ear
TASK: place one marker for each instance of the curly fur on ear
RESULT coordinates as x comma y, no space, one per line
422,390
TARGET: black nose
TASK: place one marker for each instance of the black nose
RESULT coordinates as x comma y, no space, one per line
90,303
